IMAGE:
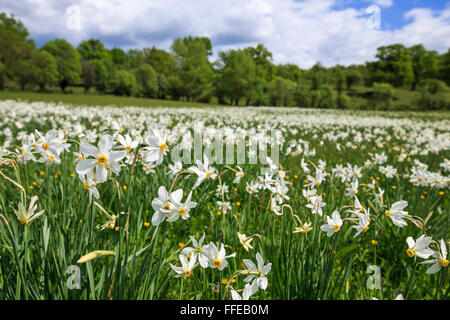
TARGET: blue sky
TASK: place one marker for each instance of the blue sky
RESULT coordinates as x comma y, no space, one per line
295,31
393,16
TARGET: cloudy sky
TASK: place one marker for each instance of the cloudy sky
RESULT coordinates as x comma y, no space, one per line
295,31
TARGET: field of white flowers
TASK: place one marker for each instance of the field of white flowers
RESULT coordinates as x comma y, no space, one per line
95,204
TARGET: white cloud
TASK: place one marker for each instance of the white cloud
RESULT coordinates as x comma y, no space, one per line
384,3
301,32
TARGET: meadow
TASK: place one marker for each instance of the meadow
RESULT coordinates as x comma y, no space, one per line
95,204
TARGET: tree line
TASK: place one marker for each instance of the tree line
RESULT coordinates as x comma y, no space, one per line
238,77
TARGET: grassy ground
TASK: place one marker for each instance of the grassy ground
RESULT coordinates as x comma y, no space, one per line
77,98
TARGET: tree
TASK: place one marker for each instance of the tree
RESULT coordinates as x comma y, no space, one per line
317,76
164,65
88,75
135,58
147,80
124,82
15,55
280,91
352,77
394,66
101,73
339,79
289,71
67,59
382,95
15,27
93,49
262,58
424,64
444,67
433,95
119,57
45,69
237,76
193,67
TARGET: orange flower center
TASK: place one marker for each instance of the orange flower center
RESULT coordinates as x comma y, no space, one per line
102,160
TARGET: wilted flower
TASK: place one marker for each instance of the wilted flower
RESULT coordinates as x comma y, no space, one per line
26,216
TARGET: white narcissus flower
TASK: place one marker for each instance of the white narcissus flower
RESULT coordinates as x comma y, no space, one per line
249,290
397,214
175,168
316,205
90,185
334,224
419,247
126,143
157,147
197,250
304,166
258,273
363,223
180,209
51,145
103,160
186,267
217,258
26,216
165,204
203,171
239,175
440,259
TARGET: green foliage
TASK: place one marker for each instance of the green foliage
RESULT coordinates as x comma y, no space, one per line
101,74
67,59
383,94
14,26
93,49
237,77
146,80
119,57
124,82
394,66
280,91
192,66
88,74
164,65
45,69
352,77
434,95
424,64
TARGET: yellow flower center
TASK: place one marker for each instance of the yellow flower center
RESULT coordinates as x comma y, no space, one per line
444,262
102,160
45,146
182,211
51,158
217,262
187,273
163,147
388,214
86,186
410,252
318,183
128,149
366,228
336,227
166,207
207,175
